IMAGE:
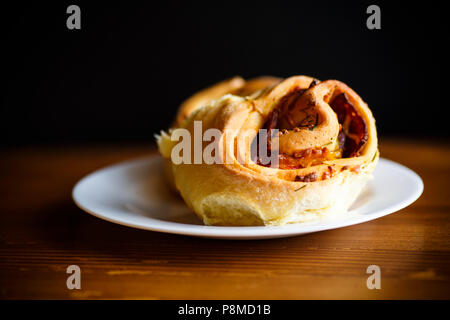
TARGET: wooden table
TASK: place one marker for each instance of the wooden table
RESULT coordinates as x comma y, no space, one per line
43,232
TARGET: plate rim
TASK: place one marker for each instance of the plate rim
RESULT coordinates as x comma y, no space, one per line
245,232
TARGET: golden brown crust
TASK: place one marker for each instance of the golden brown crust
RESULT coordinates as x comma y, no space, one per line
247,193
236,86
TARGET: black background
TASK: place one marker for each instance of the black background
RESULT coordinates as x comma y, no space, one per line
123,75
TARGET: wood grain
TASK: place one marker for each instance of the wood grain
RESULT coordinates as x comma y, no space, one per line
42,232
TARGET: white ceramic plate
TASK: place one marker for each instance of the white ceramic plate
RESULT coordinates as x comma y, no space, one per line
135,194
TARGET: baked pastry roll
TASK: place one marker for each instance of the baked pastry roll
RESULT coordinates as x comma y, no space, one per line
236,86
321,140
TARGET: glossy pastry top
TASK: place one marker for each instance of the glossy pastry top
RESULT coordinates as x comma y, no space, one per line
236,86
322,134
316,124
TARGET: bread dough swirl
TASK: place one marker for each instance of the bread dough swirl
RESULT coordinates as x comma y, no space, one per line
327,149
236,86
